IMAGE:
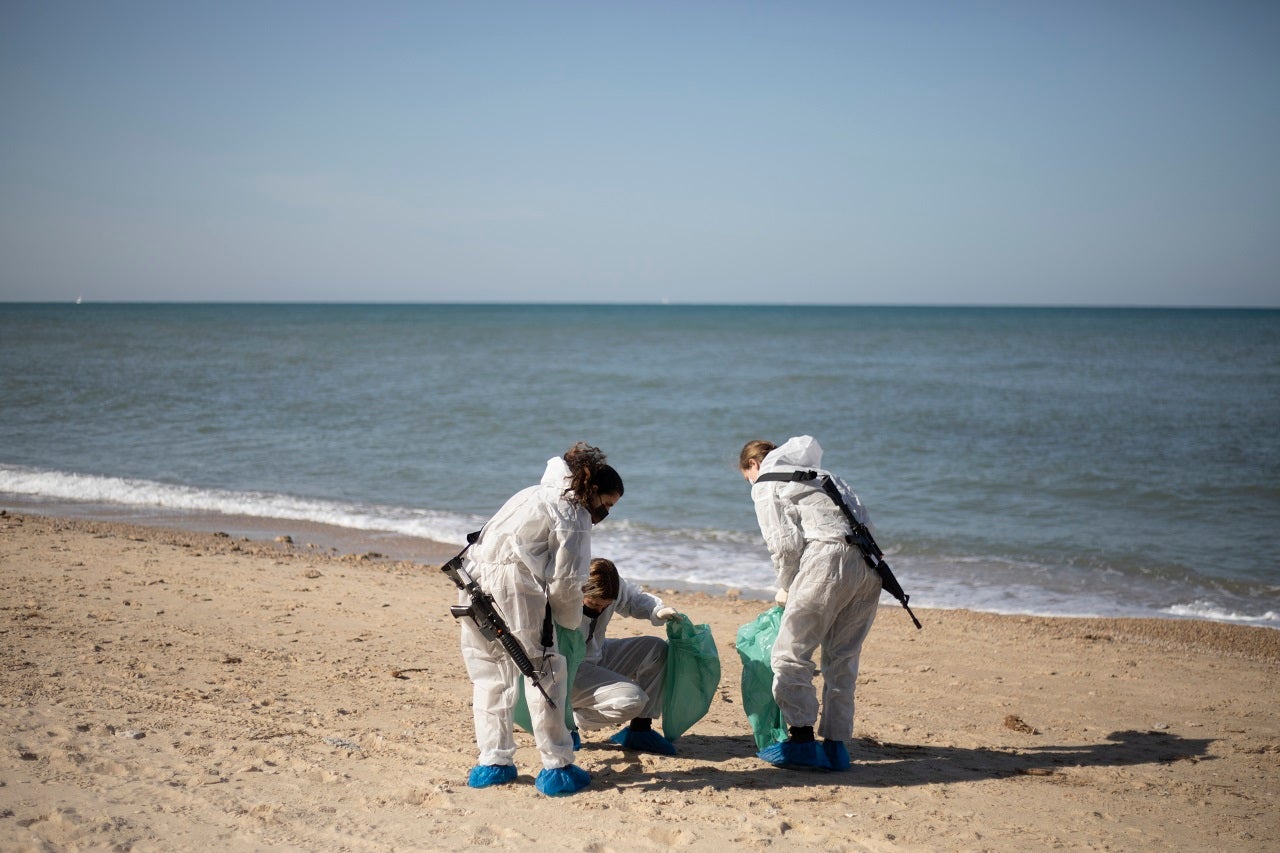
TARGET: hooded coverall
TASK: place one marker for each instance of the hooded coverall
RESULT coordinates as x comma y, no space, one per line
619,680
832,595
535,551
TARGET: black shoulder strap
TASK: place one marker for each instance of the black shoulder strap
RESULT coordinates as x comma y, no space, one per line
833,492
471,540
787,476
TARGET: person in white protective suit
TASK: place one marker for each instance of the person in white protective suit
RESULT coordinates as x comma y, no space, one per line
829,596
621,680
533,557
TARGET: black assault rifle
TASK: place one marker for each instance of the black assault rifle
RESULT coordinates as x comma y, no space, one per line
489,621
861,536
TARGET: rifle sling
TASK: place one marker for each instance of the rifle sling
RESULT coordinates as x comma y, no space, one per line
860,536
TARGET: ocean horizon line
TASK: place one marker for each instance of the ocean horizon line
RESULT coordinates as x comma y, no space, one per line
660,303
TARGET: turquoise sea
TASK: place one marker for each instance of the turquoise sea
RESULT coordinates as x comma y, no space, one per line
1023,460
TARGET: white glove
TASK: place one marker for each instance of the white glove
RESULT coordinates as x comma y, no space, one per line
666,614
780,598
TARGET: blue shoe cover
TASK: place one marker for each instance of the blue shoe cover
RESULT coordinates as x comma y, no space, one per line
798,756
577,740
649,741
837,755
562,781
484,775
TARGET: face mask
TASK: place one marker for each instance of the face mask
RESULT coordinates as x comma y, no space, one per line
599,513
590,612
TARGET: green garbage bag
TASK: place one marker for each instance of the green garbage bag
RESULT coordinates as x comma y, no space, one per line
573,646
692,676
755,645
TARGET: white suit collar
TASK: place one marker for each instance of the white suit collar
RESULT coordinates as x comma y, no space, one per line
802,451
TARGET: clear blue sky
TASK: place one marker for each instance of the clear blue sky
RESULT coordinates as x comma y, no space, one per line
1020,152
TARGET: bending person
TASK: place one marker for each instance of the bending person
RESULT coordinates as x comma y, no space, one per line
532,557
621,680
829,597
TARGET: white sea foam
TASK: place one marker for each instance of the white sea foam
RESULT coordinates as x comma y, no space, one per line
126,492
690,557
1213,612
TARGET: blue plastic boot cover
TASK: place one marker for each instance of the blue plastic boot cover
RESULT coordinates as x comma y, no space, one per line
484,775
649,741
805,756
837,755
562,781
577,740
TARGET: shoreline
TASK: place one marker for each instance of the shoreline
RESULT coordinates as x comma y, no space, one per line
218,533
166,689
312,534
347,541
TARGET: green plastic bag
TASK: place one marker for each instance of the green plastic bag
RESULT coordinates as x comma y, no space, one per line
755,645
573,646
692,676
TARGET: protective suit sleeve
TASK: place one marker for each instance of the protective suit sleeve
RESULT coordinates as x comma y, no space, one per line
780,526
570,552
638,604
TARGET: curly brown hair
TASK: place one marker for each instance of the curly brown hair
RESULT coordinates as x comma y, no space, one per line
589,475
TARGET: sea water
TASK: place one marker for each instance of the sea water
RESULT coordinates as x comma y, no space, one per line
1054,461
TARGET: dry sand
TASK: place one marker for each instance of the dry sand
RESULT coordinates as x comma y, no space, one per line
166,690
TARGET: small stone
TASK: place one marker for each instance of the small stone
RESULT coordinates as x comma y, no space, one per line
343,743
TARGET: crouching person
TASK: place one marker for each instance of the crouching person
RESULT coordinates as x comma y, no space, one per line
621,680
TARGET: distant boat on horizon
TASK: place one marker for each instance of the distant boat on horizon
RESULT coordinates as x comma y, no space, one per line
79,299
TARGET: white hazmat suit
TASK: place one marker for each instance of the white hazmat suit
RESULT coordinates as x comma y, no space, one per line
620,679
831,593
533,553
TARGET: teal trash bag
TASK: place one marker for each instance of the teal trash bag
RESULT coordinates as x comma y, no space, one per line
755,645
692,676
571,644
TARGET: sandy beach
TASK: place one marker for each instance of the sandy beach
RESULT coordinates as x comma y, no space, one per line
170,690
